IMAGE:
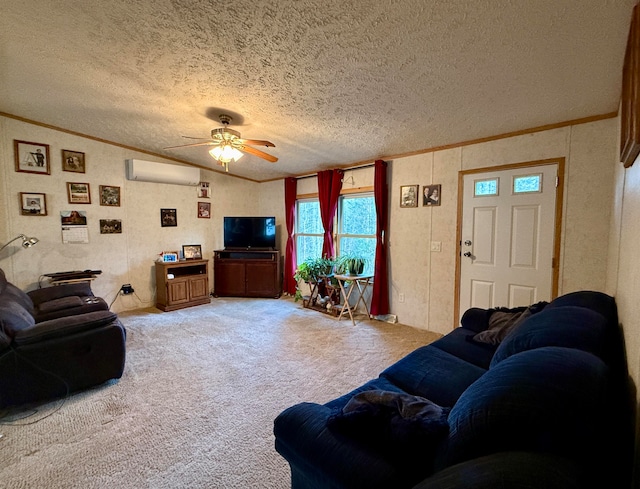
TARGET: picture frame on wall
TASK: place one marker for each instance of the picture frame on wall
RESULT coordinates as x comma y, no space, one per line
431,195
73,161
109,195
32,157
33,204
168,217
204,190
110,226
78,193
192,252
204,210
409,196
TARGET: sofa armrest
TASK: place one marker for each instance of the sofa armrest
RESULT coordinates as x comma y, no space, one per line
38,296
63,326
324,458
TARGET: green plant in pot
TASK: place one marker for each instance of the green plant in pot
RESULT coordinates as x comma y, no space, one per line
312,270
351,264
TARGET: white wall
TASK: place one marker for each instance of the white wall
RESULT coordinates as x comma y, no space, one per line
123,258
623,279
427,279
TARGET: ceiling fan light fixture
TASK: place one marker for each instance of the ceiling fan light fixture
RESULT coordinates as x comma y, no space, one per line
224,154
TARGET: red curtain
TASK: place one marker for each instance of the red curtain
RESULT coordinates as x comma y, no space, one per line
290,193
329,186
380,292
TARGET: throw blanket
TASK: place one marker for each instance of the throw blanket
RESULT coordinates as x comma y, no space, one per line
397,423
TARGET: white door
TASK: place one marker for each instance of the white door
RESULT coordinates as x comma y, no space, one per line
507,237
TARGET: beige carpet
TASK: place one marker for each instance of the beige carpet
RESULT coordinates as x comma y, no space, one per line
196,404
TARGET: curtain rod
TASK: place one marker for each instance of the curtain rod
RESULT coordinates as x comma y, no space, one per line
311,175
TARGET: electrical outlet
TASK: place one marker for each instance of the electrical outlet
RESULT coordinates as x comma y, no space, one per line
401,297
126,289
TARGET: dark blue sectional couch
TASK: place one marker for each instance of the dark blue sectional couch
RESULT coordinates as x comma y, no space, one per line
546,407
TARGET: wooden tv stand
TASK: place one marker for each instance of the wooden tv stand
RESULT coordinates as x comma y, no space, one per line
189,285
246,273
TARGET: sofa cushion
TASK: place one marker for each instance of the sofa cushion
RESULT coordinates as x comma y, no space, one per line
596,301
570,326
460,343
434,374
550,400
63,326
511,470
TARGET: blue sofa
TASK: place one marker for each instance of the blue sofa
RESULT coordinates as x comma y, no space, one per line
531,397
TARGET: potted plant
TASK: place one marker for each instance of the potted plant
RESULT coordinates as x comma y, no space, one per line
351,264
313,271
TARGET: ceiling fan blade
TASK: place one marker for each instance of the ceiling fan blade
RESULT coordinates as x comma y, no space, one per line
207,143
258,142
258,153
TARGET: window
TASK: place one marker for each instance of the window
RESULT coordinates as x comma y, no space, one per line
356,228
484,188
527,184
308,230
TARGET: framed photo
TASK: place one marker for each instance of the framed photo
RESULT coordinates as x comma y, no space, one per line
110,226
109,195
32,157
192,252
168,217
409,196
73,161
431,195
32,204
169,256
204,190
204,210
78,193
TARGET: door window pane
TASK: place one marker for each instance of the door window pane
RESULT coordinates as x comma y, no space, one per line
527,184
484,188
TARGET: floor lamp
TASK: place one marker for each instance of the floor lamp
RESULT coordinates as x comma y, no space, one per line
26,242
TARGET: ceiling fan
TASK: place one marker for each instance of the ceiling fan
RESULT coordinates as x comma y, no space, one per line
228,145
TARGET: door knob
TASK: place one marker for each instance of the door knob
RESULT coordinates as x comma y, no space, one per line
468,254
467,243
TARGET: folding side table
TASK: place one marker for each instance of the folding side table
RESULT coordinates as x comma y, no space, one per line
358,283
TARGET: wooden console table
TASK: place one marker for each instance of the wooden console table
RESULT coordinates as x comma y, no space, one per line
182,284
246,273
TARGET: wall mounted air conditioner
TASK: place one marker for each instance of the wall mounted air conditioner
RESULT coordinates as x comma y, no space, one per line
151,171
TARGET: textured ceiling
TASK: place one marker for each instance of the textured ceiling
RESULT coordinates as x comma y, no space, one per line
329,82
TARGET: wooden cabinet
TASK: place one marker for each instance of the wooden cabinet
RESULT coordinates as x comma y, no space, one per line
182,284
246,273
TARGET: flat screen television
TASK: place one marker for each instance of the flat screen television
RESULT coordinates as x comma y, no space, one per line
250,233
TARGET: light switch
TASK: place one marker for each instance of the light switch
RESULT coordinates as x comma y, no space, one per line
436,246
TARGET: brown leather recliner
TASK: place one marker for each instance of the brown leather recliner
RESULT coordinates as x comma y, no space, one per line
54,341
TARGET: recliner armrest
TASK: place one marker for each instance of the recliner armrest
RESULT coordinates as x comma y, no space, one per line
45,294
63,326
